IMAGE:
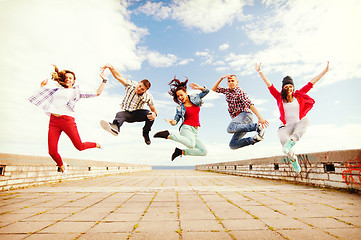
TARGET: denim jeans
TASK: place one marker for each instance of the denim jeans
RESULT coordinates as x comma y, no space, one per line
188,136
139,115
239,126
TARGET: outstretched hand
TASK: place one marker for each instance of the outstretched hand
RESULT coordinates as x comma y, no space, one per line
196,86
43,83
258,67
263,122
171,121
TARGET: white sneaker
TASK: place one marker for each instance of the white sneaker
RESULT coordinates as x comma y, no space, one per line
109,127
257,138
260,130
65,173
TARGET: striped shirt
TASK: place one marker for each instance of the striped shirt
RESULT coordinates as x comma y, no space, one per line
237,100
132,101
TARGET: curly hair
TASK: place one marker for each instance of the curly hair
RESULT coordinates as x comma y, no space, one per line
175,86
59,76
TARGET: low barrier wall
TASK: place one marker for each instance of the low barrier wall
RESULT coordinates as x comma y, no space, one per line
18,171
340,169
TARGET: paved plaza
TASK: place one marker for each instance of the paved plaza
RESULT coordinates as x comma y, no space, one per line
178,204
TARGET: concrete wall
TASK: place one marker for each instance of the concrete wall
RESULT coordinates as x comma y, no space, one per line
340,169
21,170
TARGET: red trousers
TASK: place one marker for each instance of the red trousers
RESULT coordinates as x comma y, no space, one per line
67,124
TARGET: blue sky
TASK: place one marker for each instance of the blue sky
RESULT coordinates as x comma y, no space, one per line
198,39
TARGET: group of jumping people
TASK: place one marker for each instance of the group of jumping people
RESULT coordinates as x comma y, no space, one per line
59,102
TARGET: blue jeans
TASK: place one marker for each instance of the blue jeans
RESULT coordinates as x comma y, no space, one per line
239,126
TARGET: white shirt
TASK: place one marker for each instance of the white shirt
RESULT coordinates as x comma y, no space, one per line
60,100
292,111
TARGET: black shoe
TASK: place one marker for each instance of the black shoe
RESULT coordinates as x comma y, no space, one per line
177,152
146,138
162,134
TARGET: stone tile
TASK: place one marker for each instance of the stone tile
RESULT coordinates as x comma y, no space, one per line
118,217
285,222
314,234
24,227
206,236
346,233
201,225
68,227
326,223
4,236
154,236
244,224
158,226
48,217
256,234
113,227
53,236
102,235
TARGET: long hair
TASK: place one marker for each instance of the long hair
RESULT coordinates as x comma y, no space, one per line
59,76
176,85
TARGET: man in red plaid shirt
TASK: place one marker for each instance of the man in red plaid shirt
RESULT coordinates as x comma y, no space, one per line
240,108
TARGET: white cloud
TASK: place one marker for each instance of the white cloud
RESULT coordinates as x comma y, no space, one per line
157,59
223,47
185,61
300,35
208,16
206,55
156,9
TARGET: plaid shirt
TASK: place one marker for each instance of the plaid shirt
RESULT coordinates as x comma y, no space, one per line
44,97
237,100
133,101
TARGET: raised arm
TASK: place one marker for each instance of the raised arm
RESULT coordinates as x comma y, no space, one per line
216,85
116,74
319,76
265,79
102,85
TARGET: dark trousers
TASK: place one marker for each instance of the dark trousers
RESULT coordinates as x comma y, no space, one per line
139,115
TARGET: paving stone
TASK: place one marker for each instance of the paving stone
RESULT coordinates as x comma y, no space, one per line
206,236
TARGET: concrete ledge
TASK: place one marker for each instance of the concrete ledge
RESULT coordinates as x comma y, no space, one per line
18,171
340,169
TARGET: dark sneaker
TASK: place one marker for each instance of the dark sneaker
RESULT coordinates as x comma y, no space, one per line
109,127
146,138
162,134
177,152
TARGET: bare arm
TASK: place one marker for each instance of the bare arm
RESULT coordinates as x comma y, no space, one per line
116,74
261,120
319,76
102,85
216,85
196,86
265,79
153,114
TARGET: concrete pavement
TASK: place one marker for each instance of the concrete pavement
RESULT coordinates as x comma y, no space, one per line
178,204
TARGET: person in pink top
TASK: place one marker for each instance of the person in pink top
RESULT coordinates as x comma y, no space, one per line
293,106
